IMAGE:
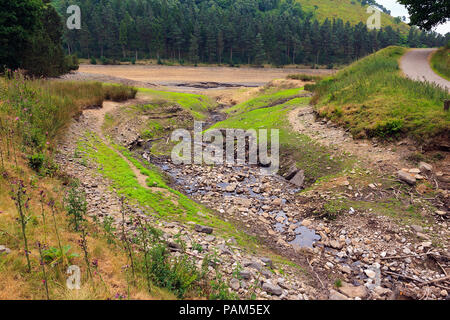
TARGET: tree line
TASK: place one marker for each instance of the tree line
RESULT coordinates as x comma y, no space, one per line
31,38
225,31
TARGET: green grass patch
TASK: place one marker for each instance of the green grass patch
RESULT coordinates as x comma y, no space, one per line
440,62
372,98
401,211
268,97
197,104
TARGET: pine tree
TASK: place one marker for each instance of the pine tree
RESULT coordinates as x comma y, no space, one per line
258,50
193,47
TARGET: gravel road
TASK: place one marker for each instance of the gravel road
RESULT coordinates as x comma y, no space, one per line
415,65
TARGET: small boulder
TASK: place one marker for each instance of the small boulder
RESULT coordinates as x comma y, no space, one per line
334,295
352,291
173,246
298,179
306,222
277,202
268,262
370,273
272,289
203,229
290,172
425,167
253,265
245,274
406,177
231,187
234,284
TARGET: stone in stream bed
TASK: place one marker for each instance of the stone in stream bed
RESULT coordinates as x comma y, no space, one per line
272,289
298,179
352,291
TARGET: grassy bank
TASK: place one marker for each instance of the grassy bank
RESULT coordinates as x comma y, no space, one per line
440,62
197,104
373,99
36,111
268,97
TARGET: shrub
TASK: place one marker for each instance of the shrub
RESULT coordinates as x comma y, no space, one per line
119,93
36,161
93,60
177,275
303,77
76,206
387,128
54,256
220,290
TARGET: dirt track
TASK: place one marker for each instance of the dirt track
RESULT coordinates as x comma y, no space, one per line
415,64
172,75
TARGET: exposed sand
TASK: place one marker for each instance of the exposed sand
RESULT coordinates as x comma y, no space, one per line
173,75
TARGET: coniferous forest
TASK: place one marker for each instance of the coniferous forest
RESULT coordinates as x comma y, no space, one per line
278,32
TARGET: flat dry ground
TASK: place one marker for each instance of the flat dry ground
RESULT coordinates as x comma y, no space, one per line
166,75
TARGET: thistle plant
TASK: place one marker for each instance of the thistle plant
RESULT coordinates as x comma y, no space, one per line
44,273
125,239
76,206
142,232
1,151
84,246
41,200
19,196
51,204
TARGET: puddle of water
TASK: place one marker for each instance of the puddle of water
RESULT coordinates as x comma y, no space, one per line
304,237
223,185
279,227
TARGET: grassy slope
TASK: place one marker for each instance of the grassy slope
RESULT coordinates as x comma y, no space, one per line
372,98
440,62
347,11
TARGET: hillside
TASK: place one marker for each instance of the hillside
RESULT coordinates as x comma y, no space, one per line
348,10
230,32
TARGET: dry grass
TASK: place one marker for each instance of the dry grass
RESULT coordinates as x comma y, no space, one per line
17,283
